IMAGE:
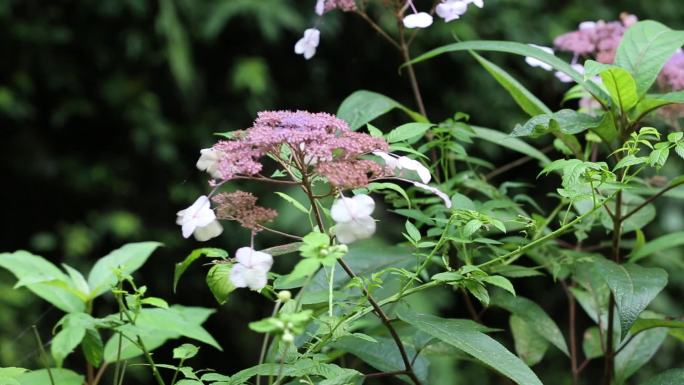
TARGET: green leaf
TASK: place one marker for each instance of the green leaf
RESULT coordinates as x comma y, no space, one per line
408,132
383,355
293,202
302,367
533,314
304,268
466,336
11,372
26,266
185,351
669,377
515,144
621,86
529,345
363,106
283,249
93,348
633,286
644,49
524,98
651,102
565,121
659,244
412,231
658,157
41,377
501,282
637,353
591,343
375,186
128,258
642,324
518,49
156,302
77,280
156,326
218,281
181,267
73,331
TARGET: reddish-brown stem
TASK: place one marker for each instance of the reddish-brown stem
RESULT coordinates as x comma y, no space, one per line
388,324
470,306
378,29
385,374
609,359
572,333
412,74
100,373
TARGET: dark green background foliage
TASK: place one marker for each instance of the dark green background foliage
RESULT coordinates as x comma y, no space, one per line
104,106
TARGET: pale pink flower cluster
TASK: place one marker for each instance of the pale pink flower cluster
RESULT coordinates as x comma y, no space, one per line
671,78
599,39
311,138
323,6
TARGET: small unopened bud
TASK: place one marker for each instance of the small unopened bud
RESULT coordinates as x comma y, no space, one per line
288,337
324,252
284,296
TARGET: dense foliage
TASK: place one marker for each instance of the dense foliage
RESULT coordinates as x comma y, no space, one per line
399,239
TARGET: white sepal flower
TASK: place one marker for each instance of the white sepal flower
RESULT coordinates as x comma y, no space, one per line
205,233
359,228
251,269
320,7
534,62
209,162
308,43
195,217
399,163
478,3
451,9
418,20
439,193
352,218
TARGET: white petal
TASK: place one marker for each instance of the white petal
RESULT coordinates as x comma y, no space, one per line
312,37
320,7
533,62
309,52
188,228
237,275
414,165
364,205
451,10
389,159
205,233
342,209
243,255
364,227
209,162
418,20
344,232
300,46
179,217
563,77
587,25
255,279
260,260
439,193
478,3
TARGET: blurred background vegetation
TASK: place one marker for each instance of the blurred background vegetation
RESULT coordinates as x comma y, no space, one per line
104,106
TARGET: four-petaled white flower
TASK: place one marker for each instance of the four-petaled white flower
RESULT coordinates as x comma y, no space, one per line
418,20
451,9
199,220
209,162
352,218
400,163
307,45
251,269
534,62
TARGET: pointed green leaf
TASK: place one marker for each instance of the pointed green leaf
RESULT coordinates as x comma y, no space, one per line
181,267
529,345
128,258
633,286
363,106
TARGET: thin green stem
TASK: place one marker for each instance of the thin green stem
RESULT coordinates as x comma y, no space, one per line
175,373
515,254
652,198
43,354
264,344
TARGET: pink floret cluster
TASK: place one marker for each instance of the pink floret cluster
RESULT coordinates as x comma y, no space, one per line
671,78
312,139
343,5
599,40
